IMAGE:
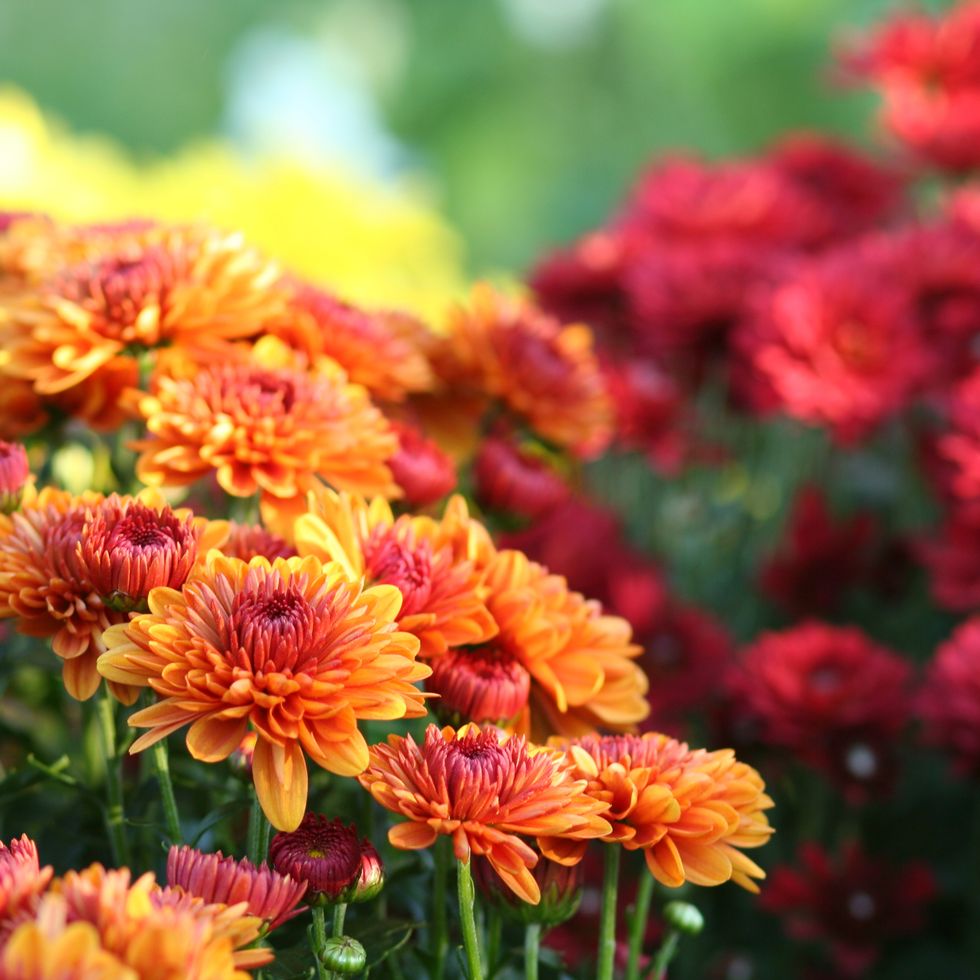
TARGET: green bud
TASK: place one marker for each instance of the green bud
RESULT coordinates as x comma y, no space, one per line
684,917
344,955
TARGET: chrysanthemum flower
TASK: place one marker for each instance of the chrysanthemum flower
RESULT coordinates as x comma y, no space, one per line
927,70
543,371
328,856
72,566
960,446
951,553
514,479
434,564
247,541
689,810
483,789
850,901
55,950
373,347
269,895
190,287
292,648
269,429
158,932
22,882
837,342
581,662
830,695
423,472
485,684
949,701
15,471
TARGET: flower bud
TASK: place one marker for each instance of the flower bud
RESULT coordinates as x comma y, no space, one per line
684,917
344,955
15,471
423,471
516,479
372,878
483,685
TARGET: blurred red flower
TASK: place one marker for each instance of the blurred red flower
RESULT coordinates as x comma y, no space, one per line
949,702
830,695
851,902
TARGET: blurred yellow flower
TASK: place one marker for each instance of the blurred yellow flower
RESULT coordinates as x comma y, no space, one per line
374,244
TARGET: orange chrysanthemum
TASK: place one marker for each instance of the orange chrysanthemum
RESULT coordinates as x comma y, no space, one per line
580,662
190,287
434,564
688,810
484,789
292,648
156,932
71,566
51,949
268,428
22,882
375,348
545,372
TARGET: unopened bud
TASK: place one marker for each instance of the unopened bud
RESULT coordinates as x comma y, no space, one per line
344,955
684,917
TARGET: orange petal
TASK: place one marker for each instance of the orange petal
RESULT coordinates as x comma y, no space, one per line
412,836
214,739
279,773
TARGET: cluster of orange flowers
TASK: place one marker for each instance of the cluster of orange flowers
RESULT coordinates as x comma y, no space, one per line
339,608
102,923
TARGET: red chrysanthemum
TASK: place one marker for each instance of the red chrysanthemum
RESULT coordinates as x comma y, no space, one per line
927,70
951,554
423,472
960,446
828,694
854,904
327,855
271,896
248,541
818,559
515,480
837,343
949,701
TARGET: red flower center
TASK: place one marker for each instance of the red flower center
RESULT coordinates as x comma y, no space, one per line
275,630
486,684
324,853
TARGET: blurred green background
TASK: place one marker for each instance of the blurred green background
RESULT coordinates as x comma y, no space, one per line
528,117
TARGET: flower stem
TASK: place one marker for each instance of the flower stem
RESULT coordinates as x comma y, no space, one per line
319,940
658,969
467,920
607,923
339,914
161,762
638,924
115,815
258,833
440,928
532,943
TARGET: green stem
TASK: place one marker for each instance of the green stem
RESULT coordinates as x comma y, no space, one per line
161,762
638,924
339,913
607,923
658,969
467,920
440,928
258,833
115,815
319,941
532,943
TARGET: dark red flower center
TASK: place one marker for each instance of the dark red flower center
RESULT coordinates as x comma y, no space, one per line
324,853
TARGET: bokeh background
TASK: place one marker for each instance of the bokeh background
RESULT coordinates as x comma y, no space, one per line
519,120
